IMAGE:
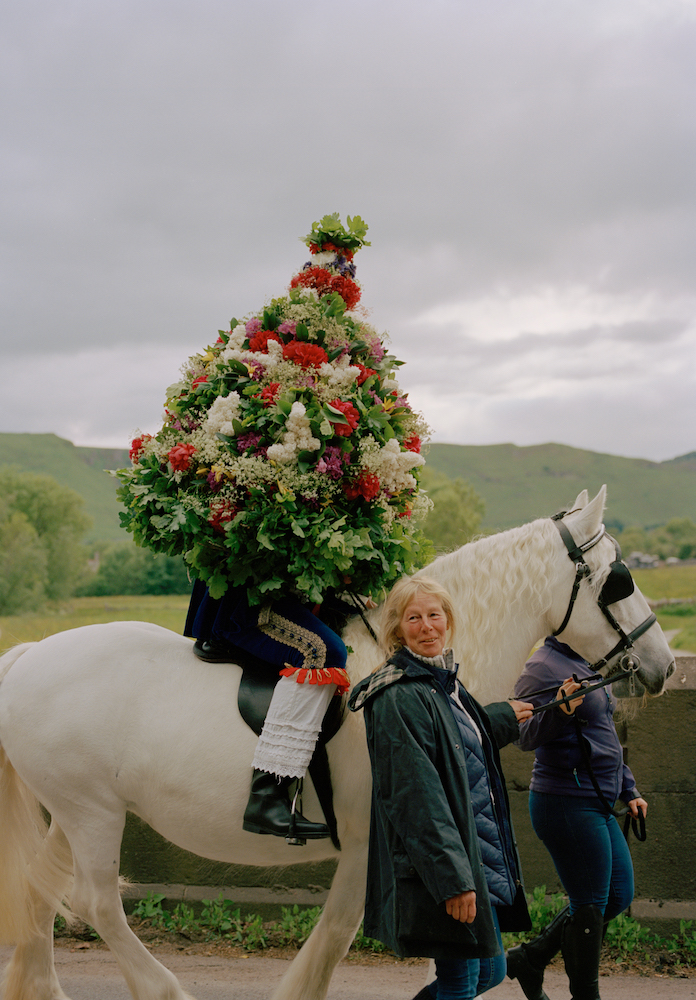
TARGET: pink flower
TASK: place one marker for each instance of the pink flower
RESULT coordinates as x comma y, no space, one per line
253,326
180,456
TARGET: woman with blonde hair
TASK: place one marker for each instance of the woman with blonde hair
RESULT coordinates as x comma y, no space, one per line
443,871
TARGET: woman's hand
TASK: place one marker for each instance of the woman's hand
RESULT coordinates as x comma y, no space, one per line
522,709
568,687
638,806
462,907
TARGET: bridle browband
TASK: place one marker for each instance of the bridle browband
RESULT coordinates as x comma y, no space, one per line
618,585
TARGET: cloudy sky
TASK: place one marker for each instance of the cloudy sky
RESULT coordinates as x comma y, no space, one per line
527,169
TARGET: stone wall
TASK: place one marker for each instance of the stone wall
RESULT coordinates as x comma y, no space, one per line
660,747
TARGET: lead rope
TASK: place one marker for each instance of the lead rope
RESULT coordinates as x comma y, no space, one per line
630,822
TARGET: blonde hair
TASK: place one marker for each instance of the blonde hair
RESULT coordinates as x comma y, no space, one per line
398,600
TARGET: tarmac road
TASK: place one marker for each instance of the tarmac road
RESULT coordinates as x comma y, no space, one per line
94,975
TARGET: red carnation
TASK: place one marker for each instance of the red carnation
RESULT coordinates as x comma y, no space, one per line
137,445
364,372
347,289
269,393
413,443
367,485
351,415
259,342
313,277
220,515
197,381
180,456
305,355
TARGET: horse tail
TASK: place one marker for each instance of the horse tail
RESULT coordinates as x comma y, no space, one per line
35,863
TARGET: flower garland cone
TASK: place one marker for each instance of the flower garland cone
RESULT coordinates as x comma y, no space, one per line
289,456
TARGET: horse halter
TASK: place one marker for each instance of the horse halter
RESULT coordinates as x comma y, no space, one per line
617,587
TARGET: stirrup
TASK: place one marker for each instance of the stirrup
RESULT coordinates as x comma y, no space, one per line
291,836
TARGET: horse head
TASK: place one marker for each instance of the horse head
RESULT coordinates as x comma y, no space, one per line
597,609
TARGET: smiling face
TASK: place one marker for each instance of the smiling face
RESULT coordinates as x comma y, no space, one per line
423,625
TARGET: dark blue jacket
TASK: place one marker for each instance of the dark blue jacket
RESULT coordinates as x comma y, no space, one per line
558,763
424,844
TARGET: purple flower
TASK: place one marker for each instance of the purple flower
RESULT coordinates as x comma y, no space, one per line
215,480
257,369
246,441
253,326
331,462
376,350
287,326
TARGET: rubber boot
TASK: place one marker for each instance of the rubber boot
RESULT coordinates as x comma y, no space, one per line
526,962
269,811
582,948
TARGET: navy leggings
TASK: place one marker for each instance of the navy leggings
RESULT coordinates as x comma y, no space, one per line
294,635
588,849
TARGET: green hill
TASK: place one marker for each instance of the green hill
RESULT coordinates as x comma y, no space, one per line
520,484
517,484
82,469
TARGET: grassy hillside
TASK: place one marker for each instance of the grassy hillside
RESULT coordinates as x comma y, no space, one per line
82,469
520,484
517,484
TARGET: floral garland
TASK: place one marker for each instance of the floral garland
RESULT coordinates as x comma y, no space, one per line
288,459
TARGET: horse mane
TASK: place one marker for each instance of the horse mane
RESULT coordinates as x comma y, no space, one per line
490,579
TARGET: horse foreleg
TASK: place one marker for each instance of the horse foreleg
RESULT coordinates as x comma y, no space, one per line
95,897
310,973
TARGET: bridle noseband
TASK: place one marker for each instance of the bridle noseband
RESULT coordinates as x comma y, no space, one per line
618,586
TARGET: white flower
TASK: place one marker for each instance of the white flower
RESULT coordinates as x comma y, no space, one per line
297,437
224,410
392,465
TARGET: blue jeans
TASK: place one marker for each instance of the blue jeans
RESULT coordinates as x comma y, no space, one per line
588,849
464,979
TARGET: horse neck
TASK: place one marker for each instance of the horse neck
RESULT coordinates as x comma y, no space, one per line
502,587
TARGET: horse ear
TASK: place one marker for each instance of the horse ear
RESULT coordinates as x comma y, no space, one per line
588,521
581,500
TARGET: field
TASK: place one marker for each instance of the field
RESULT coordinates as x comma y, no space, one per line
666,582
168,611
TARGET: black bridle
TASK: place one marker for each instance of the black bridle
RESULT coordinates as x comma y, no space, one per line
617,587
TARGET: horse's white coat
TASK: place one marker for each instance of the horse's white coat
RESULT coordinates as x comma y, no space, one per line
109,718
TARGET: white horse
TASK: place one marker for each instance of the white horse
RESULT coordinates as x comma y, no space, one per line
109,718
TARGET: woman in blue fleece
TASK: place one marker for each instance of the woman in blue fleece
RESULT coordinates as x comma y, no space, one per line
581,835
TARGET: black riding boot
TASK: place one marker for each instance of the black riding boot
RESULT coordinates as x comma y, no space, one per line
269,811
582,947
526,962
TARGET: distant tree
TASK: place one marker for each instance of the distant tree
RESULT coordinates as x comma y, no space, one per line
457,510
41,528
676,538
126,569
633,539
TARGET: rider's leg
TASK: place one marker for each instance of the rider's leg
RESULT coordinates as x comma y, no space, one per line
314,657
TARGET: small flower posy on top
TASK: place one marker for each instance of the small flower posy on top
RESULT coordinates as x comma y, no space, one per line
288,458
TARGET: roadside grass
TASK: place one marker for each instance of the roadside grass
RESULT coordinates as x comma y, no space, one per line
219,921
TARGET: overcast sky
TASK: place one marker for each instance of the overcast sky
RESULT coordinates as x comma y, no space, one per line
527,169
